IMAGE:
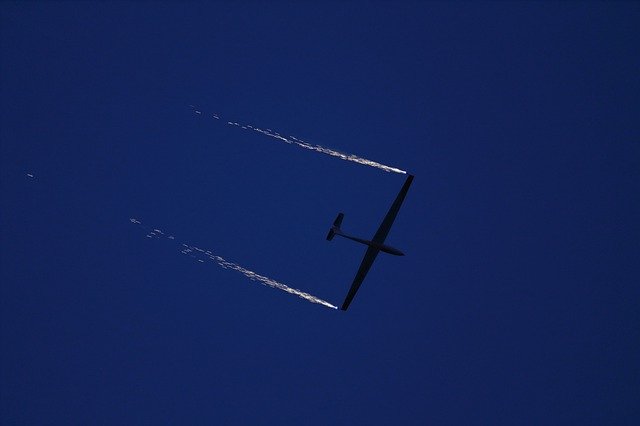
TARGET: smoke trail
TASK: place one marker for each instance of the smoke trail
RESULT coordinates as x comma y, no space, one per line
198,253
292,140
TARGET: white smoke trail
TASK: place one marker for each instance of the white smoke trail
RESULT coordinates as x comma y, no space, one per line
292,140
196,252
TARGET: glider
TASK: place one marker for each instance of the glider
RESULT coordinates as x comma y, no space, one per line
376,245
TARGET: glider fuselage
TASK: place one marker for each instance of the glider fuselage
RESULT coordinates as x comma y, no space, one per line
378,246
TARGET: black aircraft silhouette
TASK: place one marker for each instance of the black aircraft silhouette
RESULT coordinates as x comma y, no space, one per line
376,245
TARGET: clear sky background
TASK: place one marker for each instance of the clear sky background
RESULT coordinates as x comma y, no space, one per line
517,300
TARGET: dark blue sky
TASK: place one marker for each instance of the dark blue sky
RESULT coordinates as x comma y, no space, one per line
517,301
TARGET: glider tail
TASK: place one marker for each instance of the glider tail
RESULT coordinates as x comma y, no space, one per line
335,229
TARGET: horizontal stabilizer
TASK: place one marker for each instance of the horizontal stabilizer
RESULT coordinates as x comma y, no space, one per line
335,227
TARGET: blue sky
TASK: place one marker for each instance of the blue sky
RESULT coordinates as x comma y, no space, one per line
516,302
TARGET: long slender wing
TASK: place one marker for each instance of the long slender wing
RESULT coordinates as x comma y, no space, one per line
385,226
380,236
369,257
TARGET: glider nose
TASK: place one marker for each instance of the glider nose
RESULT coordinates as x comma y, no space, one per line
391,250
